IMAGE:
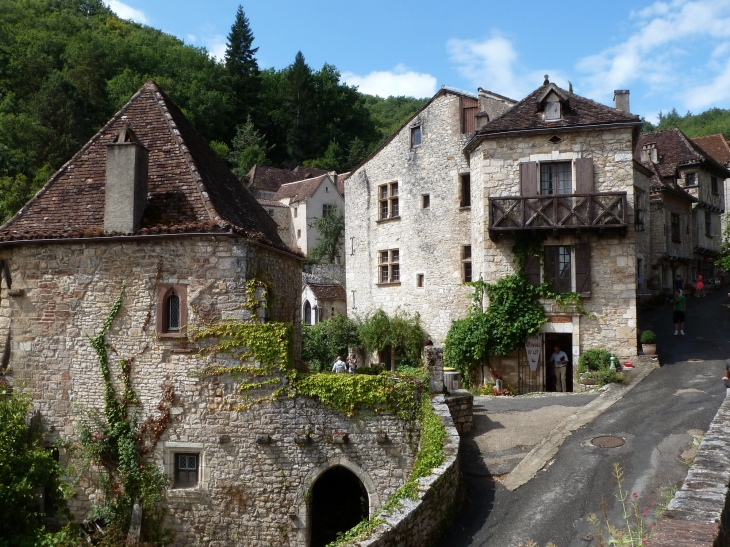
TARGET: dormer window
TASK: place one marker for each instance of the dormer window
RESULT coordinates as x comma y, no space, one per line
552,111
171,309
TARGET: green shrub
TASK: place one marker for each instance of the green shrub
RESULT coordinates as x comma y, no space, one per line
607,376
372,370
323,342
594,359
648,337
402,332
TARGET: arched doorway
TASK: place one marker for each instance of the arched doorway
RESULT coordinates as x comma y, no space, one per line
307,313
338,502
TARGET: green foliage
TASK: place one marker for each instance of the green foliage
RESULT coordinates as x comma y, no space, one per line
372,370
24,466
322,342
221,149
710,122
333,159
402,332
249,149
605,377
390,113
331,229
648,337
723,261
594,359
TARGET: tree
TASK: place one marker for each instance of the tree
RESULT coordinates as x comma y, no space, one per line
249,149
299,108
242,67
331,230
332,160
356,153
322,342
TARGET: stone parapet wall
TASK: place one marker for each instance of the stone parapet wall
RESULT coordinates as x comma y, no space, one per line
461,406
417,522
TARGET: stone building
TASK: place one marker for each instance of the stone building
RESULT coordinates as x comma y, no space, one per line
681,163
322,301
443,200
719,148
147,208
263,182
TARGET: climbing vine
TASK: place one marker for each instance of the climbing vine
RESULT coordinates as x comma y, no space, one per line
116,444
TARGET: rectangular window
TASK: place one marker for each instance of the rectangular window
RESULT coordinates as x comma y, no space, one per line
676,227
389,264
420,280
296,212
552,111
425,201
465,190
466,271
639,212
299,234
388,196
558,268
556,178
691,179
415,136
708,224
713,184
186,470
326,208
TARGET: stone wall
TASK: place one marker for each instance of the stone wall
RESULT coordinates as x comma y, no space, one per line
461,406
248,493
324,273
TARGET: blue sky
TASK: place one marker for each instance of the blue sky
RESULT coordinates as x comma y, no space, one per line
673,53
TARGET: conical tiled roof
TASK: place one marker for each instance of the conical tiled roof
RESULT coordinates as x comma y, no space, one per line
190,189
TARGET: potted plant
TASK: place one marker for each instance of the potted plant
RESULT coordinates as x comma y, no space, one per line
648,342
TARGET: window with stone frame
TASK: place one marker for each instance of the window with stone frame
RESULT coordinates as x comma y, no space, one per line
558,268
388,201
713,185
708,224
187,467
426,201
556,177
676,227
465,190
171,309
389,266
416,136
420,280
466,267
690,179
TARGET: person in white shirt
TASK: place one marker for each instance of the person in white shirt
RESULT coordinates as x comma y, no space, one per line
339,365
351,363
560,359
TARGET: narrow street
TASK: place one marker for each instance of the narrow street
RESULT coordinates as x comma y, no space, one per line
658,420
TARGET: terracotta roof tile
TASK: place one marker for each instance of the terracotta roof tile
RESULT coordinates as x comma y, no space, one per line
270,179
189,188
715,145
675,149
271,203
328,291
300,190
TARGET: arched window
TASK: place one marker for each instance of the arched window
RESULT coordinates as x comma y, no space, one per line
171,309
307,313
173,312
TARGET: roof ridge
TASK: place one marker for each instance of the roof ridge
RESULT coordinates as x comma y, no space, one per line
65,167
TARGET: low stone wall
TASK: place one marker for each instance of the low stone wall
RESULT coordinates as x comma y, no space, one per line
699,514
461,406
416,522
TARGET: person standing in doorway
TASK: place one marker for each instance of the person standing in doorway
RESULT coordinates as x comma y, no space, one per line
560,360
680,306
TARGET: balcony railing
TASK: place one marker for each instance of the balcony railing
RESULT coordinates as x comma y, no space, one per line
600,211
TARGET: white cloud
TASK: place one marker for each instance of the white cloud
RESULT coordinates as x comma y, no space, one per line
665,34
128,12
191,38
493,64
216,46
717,90
399,81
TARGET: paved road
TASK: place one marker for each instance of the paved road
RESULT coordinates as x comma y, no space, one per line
657,419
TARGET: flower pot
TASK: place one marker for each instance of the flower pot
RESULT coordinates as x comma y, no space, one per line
649,349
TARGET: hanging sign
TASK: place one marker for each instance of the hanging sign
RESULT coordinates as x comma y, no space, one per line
532,348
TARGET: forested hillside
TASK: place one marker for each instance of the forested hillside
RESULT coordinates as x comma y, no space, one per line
710,122
67,65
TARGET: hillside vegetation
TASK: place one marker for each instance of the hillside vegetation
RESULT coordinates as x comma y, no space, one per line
66,66
710,122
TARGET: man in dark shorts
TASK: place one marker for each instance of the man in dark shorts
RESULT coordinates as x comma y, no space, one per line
680,306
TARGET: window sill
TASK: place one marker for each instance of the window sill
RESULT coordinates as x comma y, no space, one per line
392,284
464,207
171,335
384,220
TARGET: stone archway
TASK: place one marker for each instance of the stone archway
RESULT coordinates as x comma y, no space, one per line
303,517
338,501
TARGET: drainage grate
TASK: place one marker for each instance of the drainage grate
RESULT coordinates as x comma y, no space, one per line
607,441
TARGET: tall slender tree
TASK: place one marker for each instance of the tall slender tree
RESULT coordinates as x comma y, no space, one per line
242,68
300,106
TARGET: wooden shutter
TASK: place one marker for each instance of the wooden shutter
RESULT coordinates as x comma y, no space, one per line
532,269
584,175
583,269
528,178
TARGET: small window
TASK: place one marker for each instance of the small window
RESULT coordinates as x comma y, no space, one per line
173,304
557,270
186,470
326,209
171,309
326,188
556,178
676,228
296,212
713,184
271,212
307,313
415,136
465,190
299,234
389,205
708,224
389,271
466,272
420,280
552,111
426,201
691,179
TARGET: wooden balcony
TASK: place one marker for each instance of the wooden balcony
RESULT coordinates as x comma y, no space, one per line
595,211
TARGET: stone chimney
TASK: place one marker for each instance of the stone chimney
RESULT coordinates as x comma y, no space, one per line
649,153
621,100
125,196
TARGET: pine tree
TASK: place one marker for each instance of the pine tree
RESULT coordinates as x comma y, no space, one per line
242,67
249,148
299,107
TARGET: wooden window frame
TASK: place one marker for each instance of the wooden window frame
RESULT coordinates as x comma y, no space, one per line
389,264
686,179
187,485
416,130
326,209
559,111
553,167
467,273
465,190
388,201
164,292
557,280
675,227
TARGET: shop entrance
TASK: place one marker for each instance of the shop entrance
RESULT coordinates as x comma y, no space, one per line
339,502
565,342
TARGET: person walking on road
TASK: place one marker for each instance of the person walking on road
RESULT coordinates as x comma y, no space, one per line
680,306
700,287
560,359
